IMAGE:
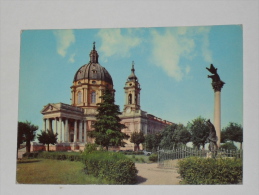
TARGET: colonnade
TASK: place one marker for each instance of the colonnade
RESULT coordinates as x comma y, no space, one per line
62,129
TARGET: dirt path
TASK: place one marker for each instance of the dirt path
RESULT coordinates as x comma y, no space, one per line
150,174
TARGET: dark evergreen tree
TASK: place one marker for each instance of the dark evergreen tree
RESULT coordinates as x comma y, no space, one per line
27,133
137,138
47,137
108,128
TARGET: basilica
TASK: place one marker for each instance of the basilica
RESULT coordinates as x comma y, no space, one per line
72,122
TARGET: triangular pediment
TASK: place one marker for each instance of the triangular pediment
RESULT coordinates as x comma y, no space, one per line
49,108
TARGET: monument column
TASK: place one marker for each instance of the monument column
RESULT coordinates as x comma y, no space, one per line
217,108
217,85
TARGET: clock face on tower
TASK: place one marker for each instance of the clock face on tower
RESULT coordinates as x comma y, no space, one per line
128,110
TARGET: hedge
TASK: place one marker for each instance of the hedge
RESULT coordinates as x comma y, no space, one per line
195,170
111,166
71,156
132,152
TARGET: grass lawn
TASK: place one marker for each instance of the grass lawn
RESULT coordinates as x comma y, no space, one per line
44,171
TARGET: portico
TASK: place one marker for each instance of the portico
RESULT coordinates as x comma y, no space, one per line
67,121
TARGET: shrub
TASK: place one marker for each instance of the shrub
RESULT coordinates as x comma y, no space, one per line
90,148
111,166
195,170
71,156
153,157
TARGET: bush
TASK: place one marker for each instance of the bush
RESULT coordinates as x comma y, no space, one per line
111,167
90,148
153,157
195,170
71,156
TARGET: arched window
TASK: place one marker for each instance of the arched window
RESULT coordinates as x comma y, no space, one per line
130,99
93,97
79,97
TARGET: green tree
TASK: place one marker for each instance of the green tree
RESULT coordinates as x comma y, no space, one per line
199,131
47,137
152,141
137,138
167,133
108,128
228,146
27,133
181,136
234,133
20,135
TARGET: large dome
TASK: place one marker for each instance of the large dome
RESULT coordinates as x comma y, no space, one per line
93,70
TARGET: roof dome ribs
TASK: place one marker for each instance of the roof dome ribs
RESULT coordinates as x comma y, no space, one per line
93,70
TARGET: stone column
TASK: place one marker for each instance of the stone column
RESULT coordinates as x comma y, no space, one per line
133,97
75,131
217,86
85,123
60,135
47,124
44,124
126,98
66,131
56,126
80,131
50,125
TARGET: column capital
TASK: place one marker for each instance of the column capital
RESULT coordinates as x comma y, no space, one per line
217,86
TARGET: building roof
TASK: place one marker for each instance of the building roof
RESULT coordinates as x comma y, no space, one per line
132,76
93,70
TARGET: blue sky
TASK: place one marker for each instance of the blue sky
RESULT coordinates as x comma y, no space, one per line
170,64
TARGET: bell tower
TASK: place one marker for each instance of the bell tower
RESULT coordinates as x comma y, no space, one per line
132,92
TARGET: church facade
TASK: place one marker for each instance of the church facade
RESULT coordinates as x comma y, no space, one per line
72,122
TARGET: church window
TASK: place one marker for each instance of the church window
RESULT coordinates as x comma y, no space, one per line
130,99
79,97
93,97
94,74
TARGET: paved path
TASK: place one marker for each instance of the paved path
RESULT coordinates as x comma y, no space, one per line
150,174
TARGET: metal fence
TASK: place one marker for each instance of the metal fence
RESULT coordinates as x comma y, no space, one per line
166,157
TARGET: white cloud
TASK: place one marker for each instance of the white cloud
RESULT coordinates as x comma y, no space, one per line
72,58
187,69
64,39
116,43
170,47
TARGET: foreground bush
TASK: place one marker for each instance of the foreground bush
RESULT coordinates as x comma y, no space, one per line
195,170
110,166
153,157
